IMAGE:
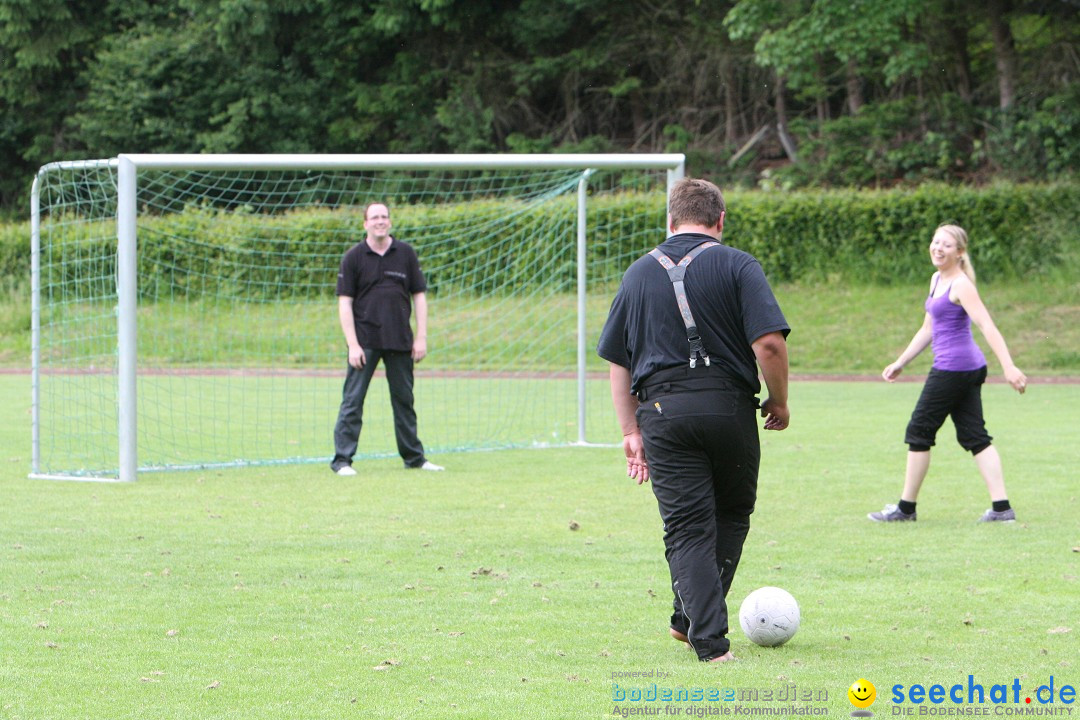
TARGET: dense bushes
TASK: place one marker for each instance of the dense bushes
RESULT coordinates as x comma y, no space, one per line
861,237
15,250
881,236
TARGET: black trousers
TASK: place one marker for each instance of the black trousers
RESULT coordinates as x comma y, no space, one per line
950,392
703,453
399,375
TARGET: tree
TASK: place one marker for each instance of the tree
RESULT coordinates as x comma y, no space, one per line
796,38
907,88
1004,50
44,44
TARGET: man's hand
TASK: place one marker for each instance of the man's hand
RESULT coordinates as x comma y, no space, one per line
419,349
634,449
771,352
776,414
357,357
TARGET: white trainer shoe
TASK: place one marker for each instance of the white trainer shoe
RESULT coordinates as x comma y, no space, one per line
346,470
428,465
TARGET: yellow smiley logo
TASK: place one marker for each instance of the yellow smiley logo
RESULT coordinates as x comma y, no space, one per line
862,693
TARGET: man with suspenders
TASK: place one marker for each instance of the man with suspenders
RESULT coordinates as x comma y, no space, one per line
689,327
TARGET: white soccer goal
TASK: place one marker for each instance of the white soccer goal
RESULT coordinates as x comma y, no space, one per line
184,315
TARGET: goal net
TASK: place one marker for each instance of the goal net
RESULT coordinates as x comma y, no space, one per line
185,316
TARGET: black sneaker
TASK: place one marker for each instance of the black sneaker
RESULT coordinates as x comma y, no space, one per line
891,513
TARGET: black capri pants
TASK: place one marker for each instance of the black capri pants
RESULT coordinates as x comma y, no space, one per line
955,393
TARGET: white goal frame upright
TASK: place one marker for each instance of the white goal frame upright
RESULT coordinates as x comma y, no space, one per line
127,174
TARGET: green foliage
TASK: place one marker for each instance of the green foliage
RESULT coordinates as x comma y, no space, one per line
96,78
881,236
142,90
862,236
15,250
466,125
15,293
883,145
1040,140
794,38
15,320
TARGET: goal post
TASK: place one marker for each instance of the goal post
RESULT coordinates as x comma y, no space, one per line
199,241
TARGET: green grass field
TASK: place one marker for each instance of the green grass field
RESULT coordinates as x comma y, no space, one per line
287,592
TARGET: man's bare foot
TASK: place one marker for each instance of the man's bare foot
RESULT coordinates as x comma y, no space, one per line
726,657
681,637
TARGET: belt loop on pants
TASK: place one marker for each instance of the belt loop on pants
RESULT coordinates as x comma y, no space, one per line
653,391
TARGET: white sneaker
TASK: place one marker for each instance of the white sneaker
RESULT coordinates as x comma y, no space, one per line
428,465
346,470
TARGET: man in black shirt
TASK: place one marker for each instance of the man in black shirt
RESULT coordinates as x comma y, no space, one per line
379,281
689,327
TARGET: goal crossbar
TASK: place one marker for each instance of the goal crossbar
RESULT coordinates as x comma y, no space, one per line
240,161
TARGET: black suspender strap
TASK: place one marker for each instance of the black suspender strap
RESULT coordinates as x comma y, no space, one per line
676,274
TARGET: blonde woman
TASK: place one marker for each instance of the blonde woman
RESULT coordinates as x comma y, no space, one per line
954,385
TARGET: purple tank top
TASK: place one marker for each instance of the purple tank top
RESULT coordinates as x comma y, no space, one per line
953,344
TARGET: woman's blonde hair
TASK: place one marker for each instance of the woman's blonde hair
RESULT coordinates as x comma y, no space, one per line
960,236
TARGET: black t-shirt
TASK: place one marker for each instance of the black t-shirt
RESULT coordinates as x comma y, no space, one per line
728,295
381,287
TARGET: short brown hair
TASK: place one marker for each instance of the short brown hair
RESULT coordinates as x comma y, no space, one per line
695,202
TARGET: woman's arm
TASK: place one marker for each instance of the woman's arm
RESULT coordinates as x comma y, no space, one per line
918,343
968,296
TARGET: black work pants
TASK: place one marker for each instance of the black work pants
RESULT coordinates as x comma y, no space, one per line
703,453
399,376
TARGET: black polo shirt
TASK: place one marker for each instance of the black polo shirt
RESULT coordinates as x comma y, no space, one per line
381,287
728,295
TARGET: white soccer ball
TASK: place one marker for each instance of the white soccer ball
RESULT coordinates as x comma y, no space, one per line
769,616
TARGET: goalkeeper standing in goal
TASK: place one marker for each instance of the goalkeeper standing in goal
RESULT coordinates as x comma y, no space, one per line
378,283
684,376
